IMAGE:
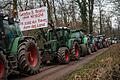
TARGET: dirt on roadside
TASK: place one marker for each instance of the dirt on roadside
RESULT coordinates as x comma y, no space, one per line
105,67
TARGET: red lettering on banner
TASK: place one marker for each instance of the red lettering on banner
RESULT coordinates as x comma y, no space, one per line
39,25
41,20
27,23
25,17
33,22
24,13
33,26
26,27
37,15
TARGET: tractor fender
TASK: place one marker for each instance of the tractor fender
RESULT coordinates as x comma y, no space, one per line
70,43
14,45
27,37
17,41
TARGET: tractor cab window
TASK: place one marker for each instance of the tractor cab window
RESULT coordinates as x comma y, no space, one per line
59,33
81,34
75,35
66,33
51,35
12,30
9,30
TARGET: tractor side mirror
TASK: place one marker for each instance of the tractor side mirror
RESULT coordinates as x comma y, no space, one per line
11,21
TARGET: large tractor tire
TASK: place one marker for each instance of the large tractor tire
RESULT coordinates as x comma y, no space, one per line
63,55
104,44
76,51
83,48
95,48
98,45
92,47
3,66
28,57
89,48
108,44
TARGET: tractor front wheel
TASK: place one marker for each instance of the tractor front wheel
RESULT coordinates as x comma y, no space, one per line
3,66
76,50
28,57
63,55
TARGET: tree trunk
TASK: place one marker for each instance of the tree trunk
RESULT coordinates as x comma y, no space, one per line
101,29
56,20
49,11
91,3
83,11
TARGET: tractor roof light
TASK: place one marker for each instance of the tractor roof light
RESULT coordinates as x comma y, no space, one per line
63,27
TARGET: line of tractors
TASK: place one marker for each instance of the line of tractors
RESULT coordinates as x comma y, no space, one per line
21,53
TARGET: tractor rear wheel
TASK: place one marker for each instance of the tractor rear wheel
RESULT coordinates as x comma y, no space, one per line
63,55
89,49
95,47
92,48
3,66
76,50
104,44
83,48
28,57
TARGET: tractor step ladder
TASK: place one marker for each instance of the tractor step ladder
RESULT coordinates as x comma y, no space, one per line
12,62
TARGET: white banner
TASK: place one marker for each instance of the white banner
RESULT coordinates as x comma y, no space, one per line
33,19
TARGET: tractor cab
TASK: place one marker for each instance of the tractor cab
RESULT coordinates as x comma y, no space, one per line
77,34
61,34
9,30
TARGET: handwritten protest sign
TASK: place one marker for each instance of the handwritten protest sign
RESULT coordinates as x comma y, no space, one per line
33,19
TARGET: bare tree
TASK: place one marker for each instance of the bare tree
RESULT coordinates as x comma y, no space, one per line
54,11
83,11
91,7
100,4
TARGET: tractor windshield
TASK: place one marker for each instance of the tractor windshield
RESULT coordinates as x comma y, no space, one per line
75,35
12,30
61,33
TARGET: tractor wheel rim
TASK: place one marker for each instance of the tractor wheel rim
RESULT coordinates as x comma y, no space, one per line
66,56
76,51
32,56
2,69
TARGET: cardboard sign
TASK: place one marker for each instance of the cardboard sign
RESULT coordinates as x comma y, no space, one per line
33,19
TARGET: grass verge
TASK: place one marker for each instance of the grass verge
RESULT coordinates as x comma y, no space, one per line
104,67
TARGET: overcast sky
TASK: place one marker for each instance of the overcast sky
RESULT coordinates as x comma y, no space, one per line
108,8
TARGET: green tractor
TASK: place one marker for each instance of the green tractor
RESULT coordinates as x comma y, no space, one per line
82,41
59,46
17,52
